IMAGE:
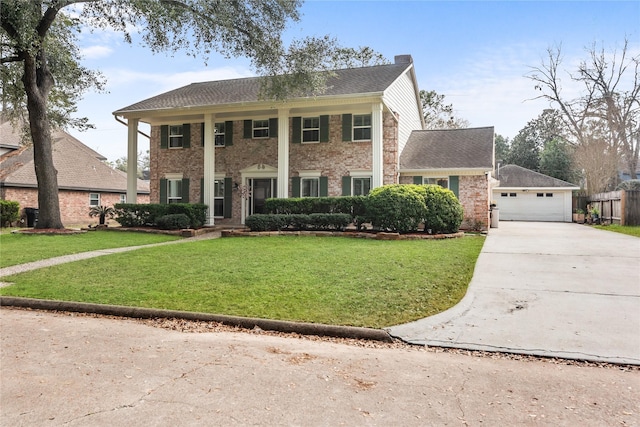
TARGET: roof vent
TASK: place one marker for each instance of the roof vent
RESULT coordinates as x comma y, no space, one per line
403,59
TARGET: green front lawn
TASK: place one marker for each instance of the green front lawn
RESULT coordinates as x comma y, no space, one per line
631,230
337,281
22,248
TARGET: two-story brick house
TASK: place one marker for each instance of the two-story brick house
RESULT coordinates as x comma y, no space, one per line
219,143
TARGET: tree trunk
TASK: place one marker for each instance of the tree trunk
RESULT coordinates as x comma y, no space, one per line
38,82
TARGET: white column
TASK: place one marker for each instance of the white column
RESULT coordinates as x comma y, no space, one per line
377,145
283,153
132,161
209,166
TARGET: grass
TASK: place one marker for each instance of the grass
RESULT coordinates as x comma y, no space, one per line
631,230
22,248
324,280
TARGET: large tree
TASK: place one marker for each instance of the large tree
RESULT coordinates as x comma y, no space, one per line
249,28
437,114
609,101
531,140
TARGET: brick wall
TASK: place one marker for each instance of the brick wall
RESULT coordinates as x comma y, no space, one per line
334,159
74,205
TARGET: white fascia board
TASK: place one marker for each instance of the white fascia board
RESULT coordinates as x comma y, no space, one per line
546,189
448,171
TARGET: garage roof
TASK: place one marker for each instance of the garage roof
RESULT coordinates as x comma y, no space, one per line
513,176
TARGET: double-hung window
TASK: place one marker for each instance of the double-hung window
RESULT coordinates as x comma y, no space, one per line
219,134
174,190
175,136
360,186
310,187
261,128
361,127
94,199
218,198
123,198
311,129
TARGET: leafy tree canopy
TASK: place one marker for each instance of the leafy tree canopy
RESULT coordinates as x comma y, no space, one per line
437,114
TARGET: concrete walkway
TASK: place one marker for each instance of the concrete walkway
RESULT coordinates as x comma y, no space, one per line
21,268
547,289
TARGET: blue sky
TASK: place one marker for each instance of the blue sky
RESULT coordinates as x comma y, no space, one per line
476,53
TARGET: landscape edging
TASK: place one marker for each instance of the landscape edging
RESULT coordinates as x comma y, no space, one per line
243,322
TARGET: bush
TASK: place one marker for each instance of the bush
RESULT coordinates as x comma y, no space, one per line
9,212
173,222
309,205
444,212
197,213
316,221
265,222
141,215
631,185
396,207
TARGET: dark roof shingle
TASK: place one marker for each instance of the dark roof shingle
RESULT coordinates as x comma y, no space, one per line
344,82
449,149
514,176
79,167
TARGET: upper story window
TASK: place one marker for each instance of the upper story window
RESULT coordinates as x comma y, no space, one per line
219,134
362,127
261,128
311,129
175,136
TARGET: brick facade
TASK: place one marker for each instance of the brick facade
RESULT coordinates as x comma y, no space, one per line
334,159
74,205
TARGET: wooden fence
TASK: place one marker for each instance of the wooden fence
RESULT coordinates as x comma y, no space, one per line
618,207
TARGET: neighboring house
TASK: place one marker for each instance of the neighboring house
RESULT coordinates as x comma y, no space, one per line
458,159
84,180
219,144
525,195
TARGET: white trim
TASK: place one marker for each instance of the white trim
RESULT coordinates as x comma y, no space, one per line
309,174
283,154
173,176
208,191
132,160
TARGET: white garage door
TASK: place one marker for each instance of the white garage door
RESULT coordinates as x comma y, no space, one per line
530,205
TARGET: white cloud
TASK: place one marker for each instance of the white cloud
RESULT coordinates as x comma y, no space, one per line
96,52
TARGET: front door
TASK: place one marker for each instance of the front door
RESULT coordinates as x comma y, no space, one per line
261,190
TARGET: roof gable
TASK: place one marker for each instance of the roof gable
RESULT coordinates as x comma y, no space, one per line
514,176
449,149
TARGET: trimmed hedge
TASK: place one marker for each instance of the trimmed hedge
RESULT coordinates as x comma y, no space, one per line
316,221
400,208
9,212
397,207
444,212
147,215
173,222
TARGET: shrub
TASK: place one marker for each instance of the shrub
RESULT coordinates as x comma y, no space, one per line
631,185
396,207
444,212
323,221
173,222
140,215
197,213
316,221
265,222
9,212
308,205
103,212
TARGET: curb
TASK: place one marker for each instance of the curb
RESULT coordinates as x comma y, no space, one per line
318,329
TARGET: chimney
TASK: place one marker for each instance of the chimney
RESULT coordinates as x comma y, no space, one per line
403,59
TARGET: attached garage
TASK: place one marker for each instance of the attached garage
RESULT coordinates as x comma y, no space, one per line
525,195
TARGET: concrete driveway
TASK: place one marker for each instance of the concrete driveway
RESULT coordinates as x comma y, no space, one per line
548,289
